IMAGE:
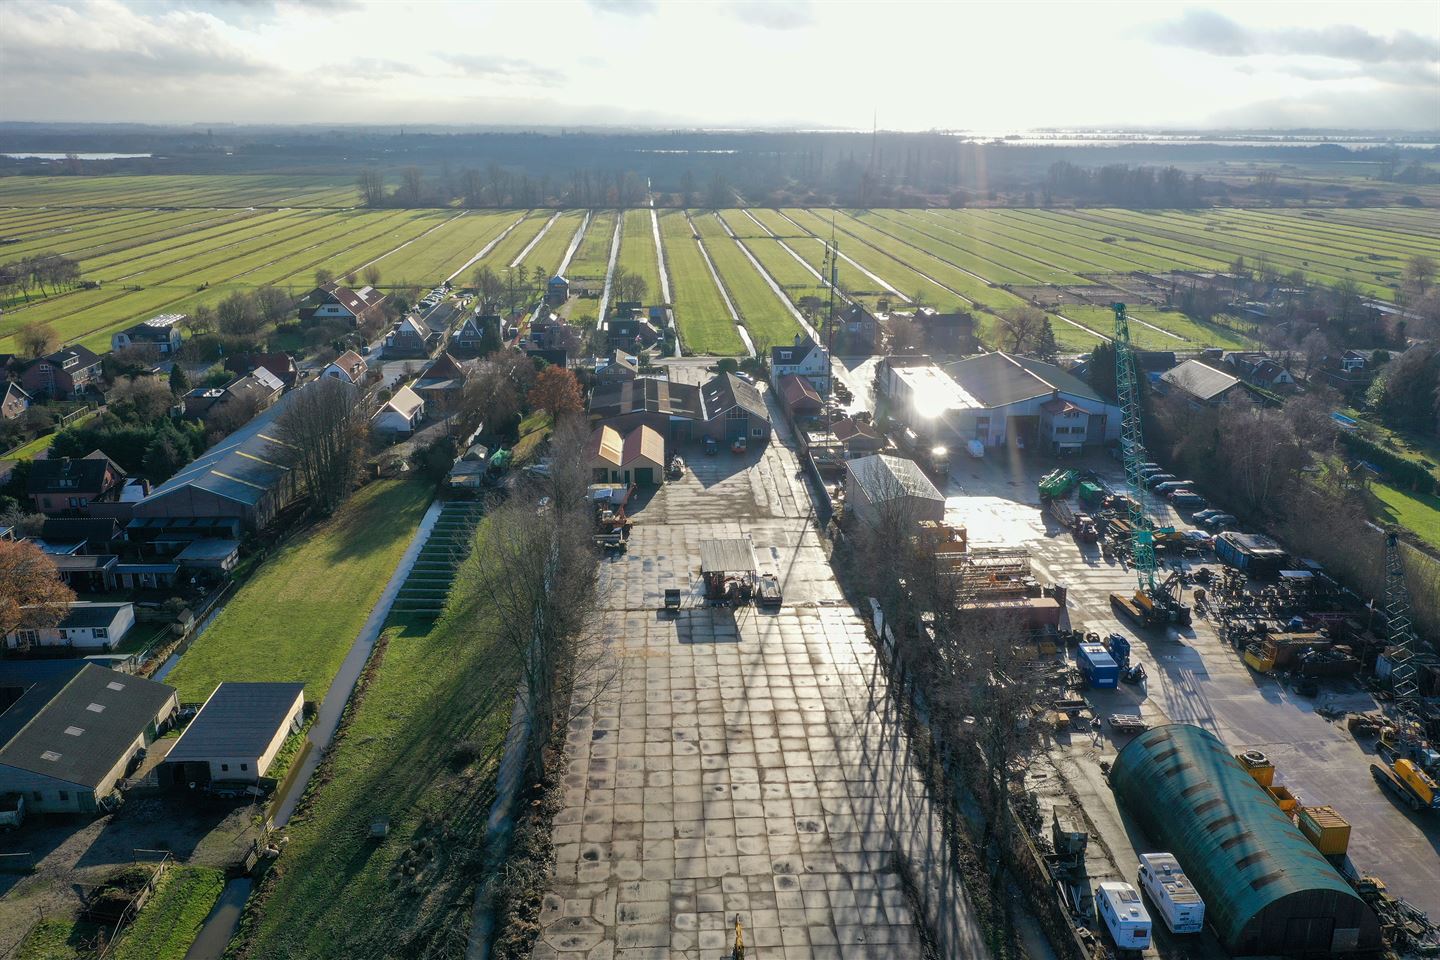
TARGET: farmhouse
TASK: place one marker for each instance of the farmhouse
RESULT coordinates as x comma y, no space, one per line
69,730
997,398
158,337
1261,370
69,486
799,396
88,626
400,415
803,358
236,735
349,367
13,402
879,484
412,337
635,457
335,302
618,367
62,374
477,335
725,408
557,290
1204,386
280,365
442,384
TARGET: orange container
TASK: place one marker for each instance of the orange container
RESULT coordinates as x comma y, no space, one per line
1326,829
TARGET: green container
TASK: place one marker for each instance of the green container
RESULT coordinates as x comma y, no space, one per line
1091,492
1058,483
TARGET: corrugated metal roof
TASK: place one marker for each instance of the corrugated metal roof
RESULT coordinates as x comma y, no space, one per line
727,556
1238,848
884,477
998,379
239,720
1200,381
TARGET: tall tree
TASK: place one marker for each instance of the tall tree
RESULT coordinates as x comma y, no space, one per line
1046,346
557,392
1020,326
38,339
179,380
31,594
323,428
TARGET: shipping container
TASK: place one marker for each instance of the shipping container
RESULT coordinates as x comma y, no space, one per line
1179,905
1097,667
1325,828
1257,555
1124,915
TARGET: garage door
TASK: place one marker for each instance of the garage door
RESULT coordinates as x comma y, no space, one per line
645,476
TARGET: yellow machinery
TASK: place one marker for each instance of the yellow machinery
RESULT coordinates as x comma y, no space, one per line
1258,766
1257,659
1326,829
1408,782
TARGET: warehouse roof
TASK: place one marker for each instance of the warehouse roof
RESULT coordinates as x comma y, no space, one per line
238,720
997,379
1237,846
1199,380
84,729
883,477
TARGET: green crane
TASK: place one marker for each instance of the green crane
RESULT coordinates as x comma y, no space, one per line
1154,602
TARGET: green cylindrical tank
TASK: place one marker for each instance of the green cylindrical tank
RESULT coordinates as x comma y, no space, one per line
1267,890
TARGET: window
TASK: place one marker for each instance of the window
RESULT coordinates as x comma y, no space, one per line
64,634
101,633
244,766
37,794
757,432
735,413
64,795
224,768
29,636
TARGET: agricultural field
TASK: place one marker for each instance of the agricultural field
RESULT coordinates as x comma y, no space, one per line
701,316
179,191
550,249
298,616
638,254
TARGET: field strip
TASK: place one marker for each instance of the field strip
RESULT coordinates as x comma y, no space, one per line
976,241
660,258
770,281
824,282
483,250
873,277
407,243
602,321
535,239
724,294
574,245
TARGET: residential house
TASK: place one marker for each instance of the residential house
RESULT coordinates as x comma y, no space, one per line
236,736
881,485
803,358
411,337
724,408
69,731
336,302
254,392
280,365
87,626
617,367
63,374
799,396
1206,386
552,333
14,401
998,399
400,415
1351,371
67,486
442,384
1261,370
734,409
951,334
861,331
349,367
158,337
557,290
634,457
631,329
858,437
477,335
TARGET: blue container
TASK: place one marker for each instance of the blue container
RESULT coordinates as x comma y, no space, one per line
1097,668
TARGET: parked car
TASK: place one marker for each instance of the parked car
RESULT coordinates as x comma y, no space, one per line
1223,521
739,446
1167,487
1146,469
1187,500
1155,478
1202,515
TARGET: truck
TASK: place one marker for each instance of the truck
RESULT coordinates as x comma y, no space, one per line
1118,904
1407,781
1097,668
1170,890
1078,523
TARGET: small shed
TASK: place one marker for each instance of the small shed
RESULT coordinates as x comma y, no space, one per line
728,568
236,735
557,290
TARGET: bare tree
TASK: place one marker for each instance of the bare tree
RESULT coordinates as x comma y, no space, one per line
31,594
493,393
272,303
372,275
1022,326
628,287
488,287
38,339
323,427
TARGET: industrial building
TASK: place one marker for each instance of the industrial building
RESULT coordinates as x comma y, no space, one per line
997,399
236,735
880,483
1267,890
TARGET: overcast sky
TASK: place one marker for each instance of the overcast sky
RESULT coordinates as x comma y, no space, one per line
985,67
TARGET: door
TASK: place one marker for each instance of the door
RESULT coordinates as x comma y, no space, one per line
645,476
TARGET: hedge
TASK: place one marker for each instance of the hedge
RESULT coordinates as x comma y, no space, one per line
1399,471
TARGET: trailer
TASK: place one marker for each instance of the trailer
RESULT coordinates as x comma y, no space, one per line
1097,668
1125,916
1058,483
1172,893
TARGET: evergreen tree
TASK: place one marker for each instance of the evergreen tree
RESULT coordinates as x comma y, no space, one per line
179,382
1046,347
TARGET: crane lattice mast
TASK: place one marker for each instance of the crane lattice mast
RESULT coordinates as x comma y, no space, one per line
1132,445
1400,628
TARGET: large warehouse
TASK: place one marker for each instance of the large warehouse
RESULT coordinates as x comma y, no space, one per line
1267,890
998,399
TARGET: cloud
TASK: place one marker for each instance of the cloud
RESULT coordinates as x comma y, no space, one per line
1217,34
774,14
1408,109
506,69
627,8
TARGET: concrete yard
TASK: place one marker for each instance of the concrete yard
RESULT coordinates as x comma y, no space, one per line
1194,677
741,763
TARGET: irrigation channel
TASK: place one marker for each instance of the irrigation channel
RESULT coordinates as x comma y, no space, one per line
535,239
603,322
485,250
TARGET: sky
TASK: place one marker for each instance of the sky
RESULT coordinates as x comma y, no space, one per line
985,67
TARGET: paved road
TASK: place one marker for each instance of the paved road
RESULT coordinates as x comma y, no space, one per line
739,763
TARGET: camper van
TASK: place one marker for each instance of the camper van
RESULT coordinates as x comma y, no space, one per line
1165,883
1119,906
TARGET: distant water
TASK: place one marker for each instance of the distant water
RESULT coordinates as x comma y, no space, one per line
80,156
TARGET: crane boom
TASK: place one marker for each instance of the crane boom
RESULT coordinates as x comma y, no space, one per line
1132,446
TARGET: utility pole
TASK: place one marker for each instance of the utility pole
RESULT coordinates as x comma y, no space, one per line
831,270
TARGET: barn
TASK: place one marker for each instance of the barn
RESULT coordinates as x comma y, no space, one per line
236,735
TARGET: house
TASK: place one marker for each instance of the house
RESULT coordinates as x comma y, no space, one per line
412,337
880,486
88,626
557,290
863,332
333,301
477,336
442,384
69,731
617,367
552,333
734,409
14,401
62,374
470,468
725,407
803,358
634,457
280,365
1351,371
400,415
158,337
858,437
629,327
997,399
349,367
1206,386
67,486
236,735
254,392
86,534
952,334
1261,370
799,396
244,478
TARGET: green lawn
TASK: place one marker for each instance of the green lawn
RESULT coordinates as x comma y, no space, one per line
297,617
421,749
705,324
1417,512
638,253
533,431
58,939
32,449
169,922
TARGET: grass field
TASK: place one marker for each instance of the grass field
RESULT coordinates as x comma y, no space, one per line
421,749
766,316
1417,512
296,618
167,925
638,254
704,323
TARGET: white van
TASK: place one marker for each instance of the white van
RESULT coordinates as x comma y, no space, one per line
1119,906
1180,906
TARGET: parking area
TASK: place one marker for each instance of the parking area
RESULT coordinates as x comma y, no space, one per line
1193,677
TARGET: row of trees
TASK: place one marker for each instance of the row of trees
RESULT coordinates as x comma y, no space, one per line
1126,186
47,273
